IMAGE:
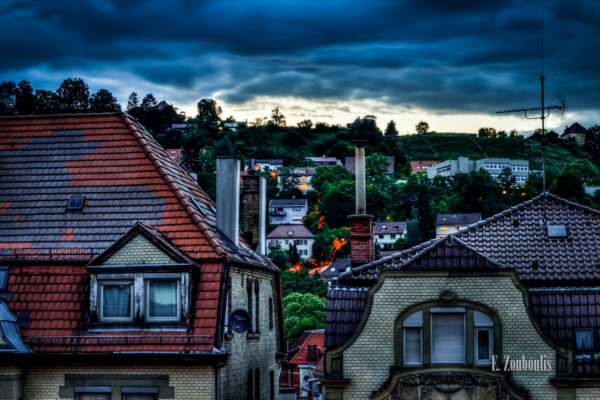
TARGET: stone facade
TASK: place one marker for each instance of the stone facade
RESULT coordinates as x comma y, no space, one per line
188,382
139,250
519,337
251,350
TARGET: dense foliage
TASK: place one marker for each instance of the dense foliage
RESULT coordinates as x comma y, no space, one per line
302,311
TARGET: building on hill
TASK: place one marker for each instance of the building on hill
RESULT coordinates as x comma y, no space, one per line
495,166
446,224
387,233
325,161
576,132
338,266
175,154
304,176
420,166
298,367
119,273
508,308
284,235
288,211
350,164
274,164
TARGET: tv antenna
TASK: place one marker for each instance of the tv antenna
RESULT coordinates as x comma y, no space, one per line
544,112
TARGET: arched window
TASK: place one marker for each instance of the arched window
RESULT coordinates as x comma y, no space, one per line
433,335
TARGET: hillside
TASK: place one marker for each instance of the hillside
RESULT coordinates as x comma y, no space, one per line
446,147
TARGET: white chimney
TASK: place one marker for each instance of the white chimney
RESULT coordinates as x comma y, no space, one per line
262,216
228,197
361,186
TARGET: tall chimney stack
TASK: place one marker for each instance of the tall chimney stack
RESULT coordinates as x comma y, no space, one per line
262,217
361,227
228,197
250,206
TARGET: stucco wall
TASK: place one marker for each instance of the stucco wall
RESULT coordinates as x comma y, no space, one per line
254,350
367,361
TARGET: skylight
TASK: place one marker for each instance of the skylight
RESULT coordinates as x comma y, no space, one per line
557,231
76,202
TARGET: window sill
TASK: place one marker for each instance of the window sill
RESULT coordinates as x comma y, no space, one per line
137,327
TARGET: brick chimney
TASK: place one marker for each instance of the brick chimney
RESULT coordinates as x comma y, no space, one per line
361,226
250,206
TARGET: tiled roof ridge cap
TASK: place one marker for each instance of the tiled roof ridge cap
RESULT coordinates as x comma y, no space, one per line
138,130
521,206
383,260
68,115
453,239
352,288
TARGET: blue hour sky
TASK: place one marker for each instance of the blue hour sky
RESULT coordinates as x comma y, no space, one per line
451,63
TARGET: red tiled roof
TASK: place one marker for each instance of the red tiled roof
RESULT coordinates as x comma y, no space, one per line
313,338
283,232
126,178
422,165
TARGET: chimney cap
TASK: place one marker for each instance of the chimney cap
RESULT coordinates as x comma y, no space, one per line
360,142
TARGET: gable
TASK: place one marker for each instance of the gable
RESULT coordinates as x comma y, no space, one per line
139,250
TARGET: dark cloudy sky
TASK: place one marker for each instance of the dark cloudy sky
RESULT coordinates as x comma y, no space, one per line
451,63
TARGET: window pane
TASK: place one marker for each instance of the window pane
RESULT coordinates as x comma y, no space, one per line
448,339
163,298
483,344
412,346
116,300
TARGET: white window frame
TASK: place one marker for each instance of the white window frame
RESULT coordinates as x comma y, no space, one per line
112,282
147,281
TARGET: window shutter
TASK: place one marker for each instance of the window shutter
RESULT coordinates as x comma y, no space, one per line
448,338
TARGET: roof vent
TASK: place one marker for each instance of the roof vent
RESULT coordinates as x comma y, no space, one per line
290,232
557,231
76,202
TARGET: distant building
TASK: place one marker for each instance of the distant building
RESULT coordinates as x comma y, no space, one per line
450,223
175,154
575,131
350,164
304,175
519,168
386,233
338,266
298,367
288,211
422,165
325,161
283,235
234,126
273,163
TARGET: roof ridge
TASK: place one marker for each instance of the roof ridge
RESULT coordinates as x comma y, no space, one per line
69,115
141,136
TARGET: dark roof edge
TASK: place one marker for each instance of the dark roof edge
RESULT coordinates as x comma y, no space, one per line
152,235
46,116
140,132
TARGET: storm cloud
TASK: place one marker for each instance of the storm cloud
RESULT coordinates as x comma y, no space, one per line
457,56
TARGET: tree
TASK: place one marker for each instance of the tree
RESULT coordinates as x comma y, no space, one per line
302,311
148,102
279,258
303,282
422,128
46,101
326,176
133,102
293,254
513,134
25,98
391,130
305,125
338,202
277,118
104,101
569,185
74,95
486,132
208,113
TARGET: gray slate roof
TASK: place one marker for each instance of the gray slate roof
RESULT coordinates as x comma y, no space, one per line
287,202
457,219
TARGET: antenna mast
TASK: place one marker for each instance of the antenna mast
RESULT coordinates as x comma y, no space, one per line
544,113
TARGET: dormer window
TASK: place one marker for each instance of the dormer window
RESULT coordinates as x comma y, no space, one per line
116,300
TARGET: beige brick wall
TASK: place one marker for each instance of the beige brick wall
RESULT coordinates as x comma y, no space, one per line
519,337
250,353
139,251
588,393
190,383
